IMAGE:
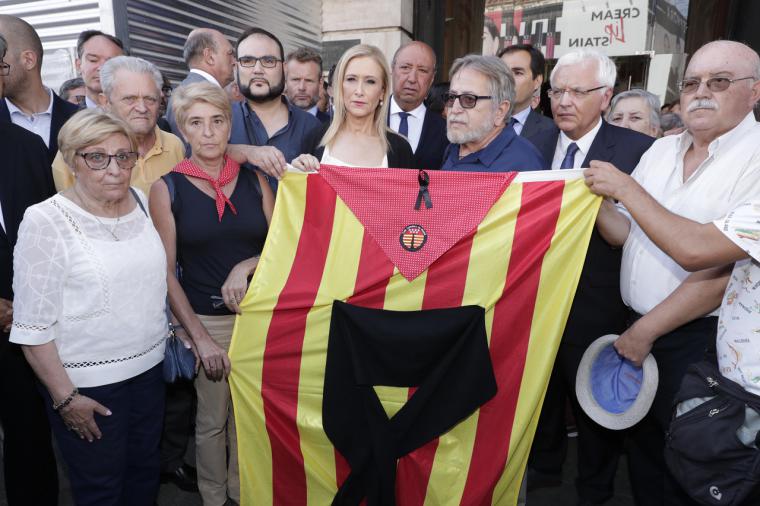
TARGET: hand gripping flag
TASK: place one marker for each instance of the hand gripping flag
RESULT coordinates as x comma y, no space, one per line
397,338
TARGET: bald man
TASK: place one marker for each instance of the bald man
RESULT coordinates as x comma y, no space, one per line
210,57
700,174
28,103
413,68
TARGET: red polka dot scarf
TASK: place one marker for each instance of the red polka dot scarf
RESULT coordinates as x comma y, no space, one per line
228,174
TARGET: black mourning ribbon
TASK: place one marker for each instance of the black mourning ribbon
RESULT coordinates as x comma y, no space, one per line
443,352
424,194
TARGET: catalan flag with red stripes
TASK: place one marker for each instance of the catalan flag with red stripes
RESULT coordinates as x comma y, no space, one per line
511,244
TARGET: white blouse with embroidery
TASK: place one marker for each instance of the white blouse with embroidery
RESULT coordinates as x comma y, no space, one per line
101,300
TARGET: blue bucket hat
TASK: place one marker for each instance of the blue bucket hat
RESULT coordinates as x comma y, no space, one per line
611,390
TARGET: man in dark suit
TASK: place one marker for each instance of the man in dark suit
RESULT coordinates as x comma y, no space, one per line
303,80
581,89
413,68
210,57
28,103
527,66
31,475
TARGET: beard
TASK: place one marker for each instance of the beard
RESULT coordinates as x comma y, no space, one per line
473,134
273,93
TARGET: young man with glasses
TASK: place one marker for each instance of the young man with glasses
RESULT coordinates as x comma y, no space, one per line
265,118
700,174
581,87
479,102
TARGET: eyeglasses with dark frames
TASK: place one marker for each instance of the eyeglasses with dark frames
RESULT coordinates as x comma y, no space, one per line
713,84
267,62
466,100
125,160
5,69
574,93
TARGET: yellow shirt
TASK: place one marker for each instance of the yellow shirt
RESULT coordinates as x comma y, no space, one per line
167,152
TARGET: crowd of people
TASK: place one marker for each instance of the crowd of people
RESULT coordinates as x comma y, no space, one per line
122,194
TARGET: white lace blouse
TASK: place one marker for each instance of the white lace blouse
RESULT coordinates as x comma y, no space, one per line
101,300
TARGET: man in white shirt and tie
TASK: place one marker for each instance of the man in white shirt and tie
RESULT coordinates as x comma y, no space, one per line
413,69
94,48
527,66
581,88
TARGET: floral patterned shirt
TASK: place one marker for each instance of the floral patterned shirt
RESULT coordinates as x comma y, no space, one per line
738,340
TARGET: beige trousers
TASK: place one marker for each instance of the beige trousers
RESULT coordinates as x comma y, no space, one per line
215,437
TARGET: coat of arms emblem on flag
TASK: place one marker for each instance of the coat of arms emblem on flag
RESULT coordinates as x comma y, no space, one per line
393,353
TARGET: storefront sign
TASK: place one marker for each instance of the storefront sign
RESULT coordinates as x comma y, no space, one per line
615,27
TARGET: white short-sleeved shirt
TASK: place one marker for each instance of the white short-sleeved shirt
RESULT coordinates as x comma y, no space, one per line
729,177
738,340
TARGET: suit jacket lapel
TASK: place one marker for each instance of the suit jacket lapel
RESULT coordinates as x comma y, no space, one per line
602,146
5,114
530,126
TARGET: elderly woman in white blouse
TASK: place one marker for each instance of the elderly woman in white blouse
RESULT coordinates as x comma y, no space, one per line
90,292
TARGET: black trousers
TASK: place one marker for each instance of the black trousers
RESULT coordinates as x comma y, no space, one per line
31,474
599,448
651,482
179,418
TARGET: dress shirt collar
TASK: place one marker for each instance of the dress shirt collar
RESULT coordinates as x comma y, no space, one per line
522,116
208,77
722,143
158,145
313,111
12,109
89,103
418,112
584,143
488,155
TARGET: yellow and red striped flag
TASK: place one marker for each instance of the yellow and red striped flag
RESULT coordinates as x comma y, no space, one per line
513,246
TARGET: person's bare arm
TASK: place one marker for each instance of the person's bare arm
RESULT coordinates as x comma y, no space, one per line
267,158
79,413
692,245
214,359
698,295
612,225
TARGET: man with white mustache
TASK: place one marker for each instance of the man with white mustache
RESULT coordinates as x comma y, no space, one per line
701,174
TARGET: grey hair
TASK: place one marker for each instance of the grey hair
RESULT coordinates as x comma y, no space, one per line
130,64
651,100
500,80
196,42
669,121
3,46
606,72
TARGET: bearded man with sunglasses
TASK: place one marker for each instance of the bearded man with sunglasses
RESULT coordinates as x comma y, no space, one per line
480,102
701,174
581,88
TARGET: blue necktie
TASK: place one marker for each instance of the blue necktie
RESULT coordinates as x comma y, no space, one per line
512,123
403,126
569,161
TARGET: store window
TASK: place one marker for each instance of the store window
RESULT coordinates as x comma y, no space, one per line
645,38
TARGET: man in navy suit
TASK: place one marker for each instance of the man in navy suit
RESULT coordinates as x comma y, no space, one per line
31,475
581,88
28,103
527,66
210,57
413,69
